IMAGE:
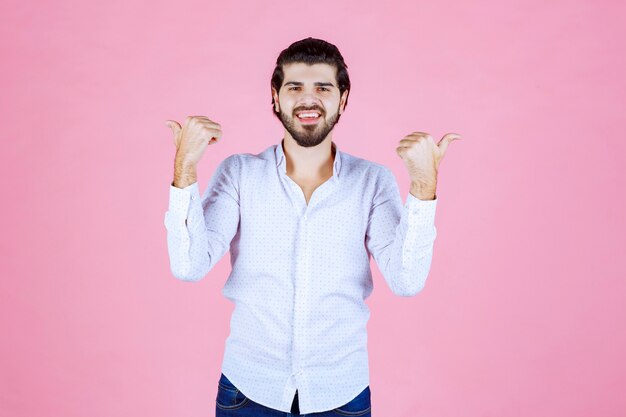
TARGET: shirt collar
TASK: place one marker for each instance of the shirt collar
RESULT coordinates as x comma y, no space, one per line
282,162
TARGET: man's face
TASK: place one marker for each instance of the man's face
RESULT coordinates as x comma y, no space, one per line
306,89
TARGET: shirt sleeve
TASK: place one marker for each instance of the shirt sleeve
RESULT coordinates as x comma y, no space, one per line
200,229
401,238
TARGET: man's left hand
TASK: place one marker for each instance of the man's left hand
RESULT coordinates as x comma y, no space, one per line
422,156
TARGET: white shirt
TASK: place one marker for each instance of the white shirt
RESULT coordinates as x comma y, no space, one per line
300,273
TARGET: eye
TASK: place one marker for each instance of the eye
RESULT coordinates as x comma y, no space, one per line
297,88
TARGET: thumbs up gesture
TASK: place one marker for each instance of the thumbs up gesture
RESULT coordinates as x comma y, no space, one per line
192,139
422,156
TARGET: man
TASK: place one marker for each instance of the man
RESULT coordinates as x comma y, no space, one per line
301,220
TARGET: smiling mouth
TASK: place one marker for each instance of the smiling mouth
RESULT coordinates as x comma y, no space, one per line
308,117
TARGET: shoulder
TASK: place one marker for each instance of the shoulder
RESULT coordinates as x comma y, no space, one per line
253,158
371,169
244,158
241,164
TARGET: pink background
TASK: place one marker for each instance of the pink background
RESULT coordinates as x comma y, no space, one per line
524,310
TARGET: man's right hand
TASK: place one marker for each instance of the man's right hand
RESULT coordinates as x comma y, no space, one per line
192,139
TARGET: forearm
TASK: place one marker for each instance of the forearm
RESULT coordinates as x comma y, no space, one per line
406,261
187,238
200,229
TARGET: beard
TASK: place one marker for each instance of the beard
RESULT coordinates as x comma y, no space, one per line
309,135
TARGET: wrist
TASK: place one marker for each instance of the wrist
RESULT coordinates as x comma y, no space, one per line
423,191
184,163
185,173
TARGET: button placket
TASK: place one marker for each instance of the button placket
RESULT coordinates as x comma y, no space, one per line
298,191
300,288
305,280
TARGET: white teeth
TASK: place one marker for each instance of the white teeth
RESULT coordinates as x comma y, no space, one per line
310,115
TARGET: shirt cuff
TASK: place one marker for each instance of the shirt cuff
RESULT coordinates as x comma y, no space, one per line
180,198
420,211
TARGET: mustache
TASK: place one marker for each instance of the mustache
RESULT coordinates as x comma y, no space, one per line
317,109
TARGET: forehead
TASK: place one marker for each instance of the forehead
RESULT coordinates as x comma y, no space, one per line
303,72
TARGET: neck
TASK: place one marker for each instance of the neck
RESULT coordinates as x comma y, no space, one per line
314,162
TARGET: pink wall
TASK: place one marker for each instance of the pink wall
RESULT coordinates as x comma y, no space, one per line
524,311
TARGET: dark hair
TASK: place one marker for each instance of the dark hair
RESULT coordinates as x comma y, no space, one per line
311,51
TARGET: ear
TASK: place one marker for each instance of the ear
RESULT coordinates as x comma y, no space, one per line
342,102
275,96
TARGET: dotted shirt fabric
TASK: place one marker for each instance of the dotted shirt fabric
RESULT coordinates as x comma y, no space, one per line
300,273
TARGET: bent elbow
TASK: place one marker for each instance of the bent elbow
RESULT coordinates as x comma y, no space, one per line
185,274
188,278
409,284
409,290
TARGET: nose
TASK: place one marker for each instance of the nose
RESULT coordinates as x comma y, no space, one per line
308,97
309,101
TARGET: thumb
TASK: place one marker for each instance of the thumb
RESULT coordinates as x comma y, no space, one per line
445,141
175,126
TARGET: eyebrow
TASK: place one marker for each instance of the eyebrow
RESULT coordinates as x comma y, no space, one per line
316,83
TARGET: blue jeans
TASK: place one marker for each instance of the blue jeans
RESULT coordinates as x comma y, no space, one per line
231,402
